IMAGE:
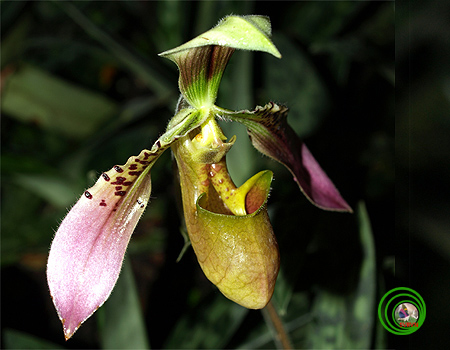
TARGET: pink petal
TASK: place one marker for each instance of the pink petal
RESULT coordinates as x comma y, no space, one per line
273,136
88,249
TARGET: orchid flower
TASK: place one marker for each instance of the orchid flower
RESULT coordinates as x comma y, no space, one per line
228,226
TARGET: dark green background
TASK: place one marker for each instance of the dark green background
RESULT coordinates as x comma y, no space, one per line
83,89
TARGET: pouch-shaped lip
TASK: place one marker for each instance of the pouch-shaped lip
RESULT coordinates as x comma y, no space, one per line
239,253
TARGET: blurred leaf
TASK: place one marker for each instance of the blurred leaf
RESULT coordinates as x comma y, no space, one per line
295,83
121,321
146,72
276,327
12,46
13,339
209,326
294,323
284,289
56,190
347,321
32,95
362,322
315,22
27,224
170,30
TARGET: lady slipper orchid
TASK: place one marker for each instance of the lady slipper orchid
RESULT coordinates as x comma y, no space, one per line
228,226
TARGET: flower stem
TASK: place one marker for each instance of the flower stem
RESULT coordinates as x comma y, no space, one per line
276,326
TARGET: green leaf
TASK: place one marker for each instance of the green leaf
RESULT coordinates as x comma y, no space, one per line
283,292
56,190
121,321
34,96
347,321
362,321
13,339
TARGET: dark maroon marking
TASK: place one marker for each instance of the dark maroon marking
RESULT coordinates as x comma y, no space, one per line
134,173
158,144
118,188
119,180
120,193
133,166
102,203
114,209
140,161
128,183
118,169
106,177
88,194
146,155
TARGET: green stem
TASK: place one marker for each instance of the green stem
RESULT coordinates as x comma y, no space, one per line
276,326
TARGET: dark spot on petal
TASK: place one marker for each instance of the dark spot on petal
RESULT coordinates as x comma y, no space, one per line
105,176
134,173
133,167
118,169
120,193
127,183
146,155
88,195
103,203
119,180
158,144
118,188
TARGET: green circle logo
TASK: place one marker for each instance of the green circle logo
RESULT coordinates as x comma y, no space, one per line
402,311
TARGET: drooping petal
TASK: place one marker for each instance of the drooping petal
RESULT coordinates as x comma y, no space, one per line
272,135
88,249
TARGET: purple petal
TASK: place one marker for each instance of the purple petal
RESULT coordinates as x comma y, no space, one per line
272,135
88,249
